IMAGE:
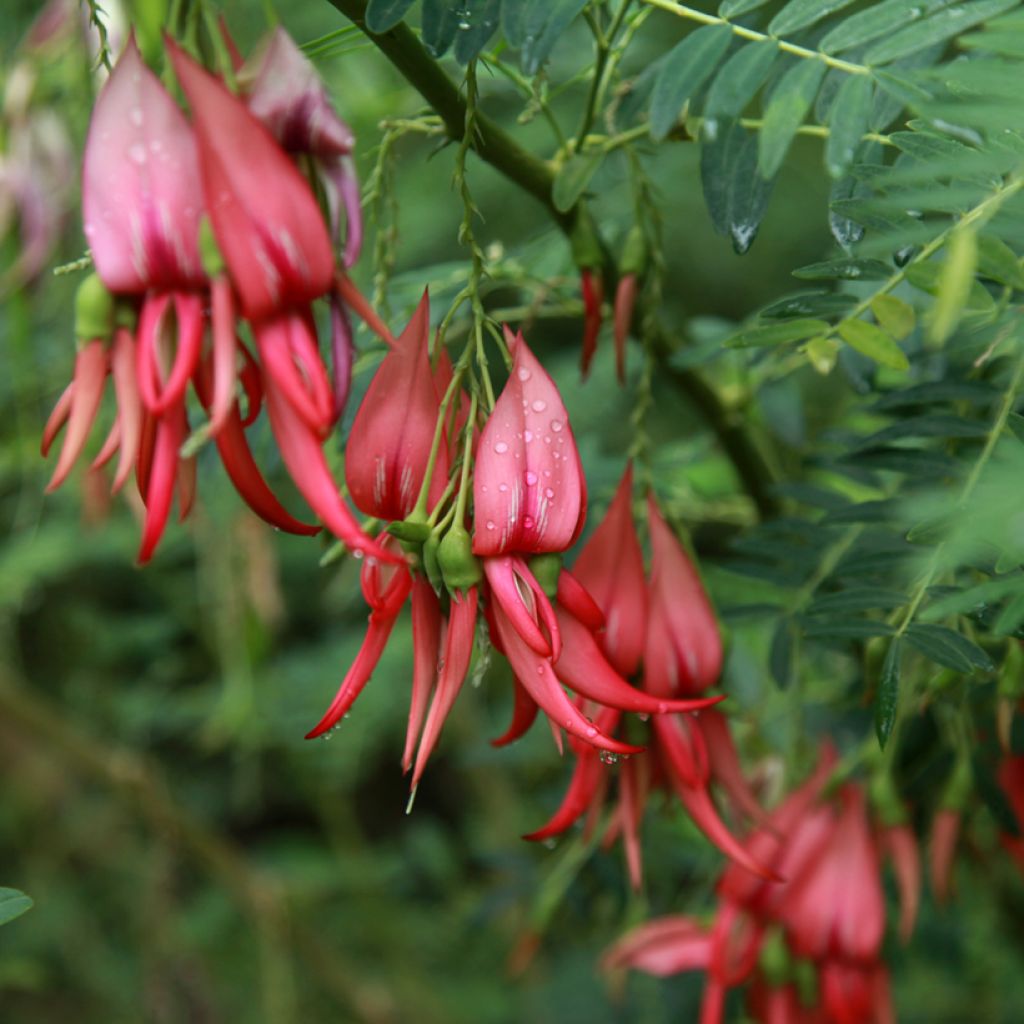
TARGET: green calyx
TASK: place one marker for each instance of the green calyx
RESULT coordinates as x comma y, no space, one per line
586,246
431,565
412,530
94,311
209,251
805,977
460,568
886,801
634,253
546,570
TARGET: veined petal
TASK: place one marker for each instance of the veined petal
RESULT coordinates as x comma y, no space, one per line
528,490
266,220
393,431
85,394
426,645
140,184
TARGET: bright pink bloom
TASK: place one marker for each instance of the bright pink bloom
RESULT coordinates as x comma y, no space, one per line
285,92
391,437
684,645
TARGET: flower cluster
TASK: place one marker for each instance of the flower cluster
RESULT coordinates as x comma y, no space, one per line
195,228
807,947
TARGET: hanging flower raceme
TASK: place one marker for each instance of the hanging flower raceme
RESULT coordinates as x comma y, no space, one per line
191,228
807,948
610,568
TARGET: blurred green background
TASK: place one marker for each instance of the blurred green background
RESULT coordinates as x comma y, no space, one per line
191,857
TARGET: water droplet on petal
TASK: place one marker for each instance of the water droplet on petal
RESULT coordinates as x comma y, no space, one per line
490,524
501,447
502,487
523,374
556,425
528,522
548,493
539,405
530,477
137,153
528,436
609,757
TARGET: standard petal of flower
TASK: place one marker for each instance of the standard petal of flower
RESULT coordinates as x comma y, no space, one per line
266,220
140,184
393,432
611,568
528,490
508,578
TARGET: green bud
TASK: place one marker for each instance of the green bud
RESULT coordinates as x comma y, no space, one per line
546,569
94,311
209,251
805,976
460,568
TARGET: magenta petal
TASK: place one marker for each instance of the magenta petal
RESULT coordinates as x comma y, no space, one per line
662,947
524,713
393,430
528,491
539,679
162,476
458,649
266,220
583,668
578,799
426,644
140,184
86,393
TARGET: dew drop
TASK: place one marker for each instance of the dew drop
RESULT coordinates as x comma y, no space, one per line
503,488
556,425
591,731
523,374
136,116
357,554
549,844
609,757
643,716
539,405
137,153
528,522
490,524
528,436
530,477
549,493
501,447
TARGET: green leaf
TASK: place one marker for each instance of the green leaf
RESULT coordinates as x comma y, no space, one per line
894,316
776,334
874,343
513,21
781,659
947,647
573,178
927,277
813,304
798,14
546,21
858,599
848,123
849,269
998,262
439,25
736,195
788,107
734,8
845,628
887,697
382,15
954,285
686,69
13,904
877,21
476,21
738,80
939,27
940,391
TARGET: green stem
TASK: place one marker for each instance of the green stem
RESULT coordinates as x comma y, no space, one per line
598,82
748,33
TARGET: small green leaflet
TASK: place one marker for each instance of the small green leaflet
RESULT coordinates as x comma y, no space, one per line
954,286
439,24
887,698
894,316
874,343
686,69
877,21
573,178
476,25
781,659
947,647
739,79
939,27
798,14
13,904
848,122
382,15
786,111
846,269
997,261
777,334
734,8
544,25
736,195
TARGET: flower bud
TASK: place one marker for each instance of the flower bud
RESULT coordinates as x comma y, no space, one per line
460,568
94,311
